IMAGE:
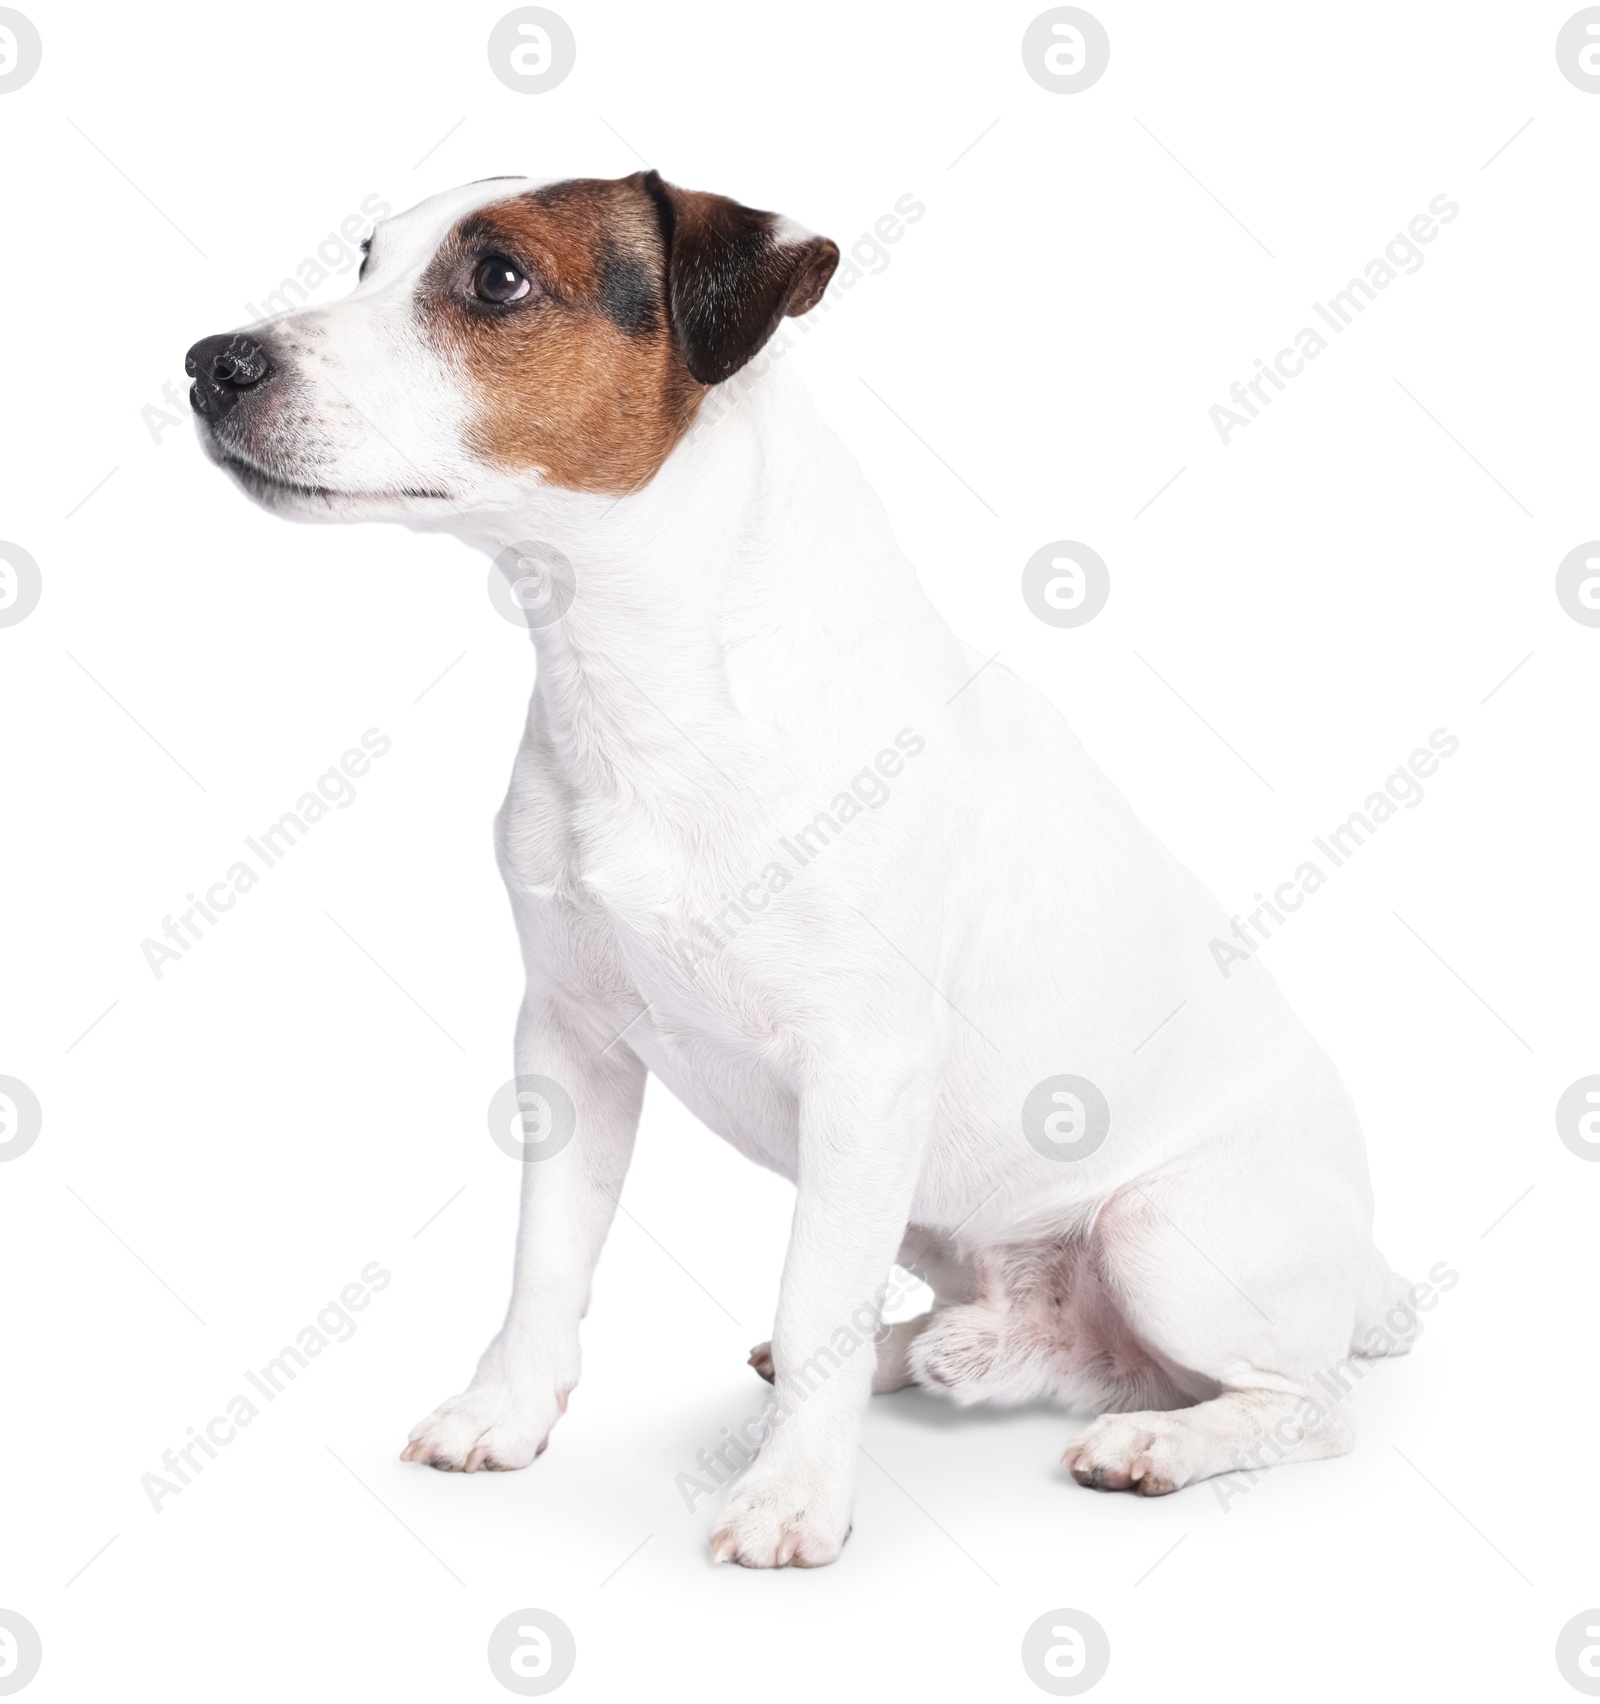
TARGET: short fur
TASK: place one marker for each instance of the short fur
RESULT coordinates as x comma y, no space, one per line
775,835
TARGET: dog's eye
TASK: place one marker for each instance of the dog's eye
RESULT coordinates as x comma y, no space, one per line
498,280
366,255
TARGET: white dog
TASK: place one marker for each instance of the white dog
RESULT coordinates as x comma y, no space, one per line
864,905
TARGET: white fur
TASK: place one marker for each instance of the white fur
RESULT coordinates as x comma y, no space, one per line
745,639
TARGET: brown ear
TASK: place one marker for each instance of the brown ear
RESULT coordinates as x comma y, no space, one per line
732,274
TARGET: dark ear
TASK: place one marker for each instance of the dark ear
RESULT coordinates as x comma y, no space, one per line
732,274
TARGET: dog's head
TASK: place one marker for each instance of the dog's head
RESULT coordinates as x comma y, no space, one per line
504,334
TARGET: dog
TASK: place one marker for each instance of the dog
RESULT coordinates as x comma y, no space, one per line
861,902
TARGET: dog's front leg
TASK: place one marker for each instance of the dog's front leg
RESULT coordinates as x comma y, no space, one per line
860,1149
569,1197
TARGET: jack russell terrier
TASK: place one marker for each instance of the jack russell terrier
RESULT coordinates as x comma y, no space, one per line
864,905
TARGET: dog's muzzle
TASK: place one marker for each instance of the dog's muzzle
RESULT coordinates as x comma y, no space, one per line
223,368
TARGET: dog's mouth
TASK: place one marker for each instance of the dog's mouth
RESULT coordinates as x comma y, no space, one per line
254,422
276,490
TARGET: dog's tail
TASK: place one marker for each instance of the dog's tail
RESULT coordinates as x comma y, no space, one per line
1385,1293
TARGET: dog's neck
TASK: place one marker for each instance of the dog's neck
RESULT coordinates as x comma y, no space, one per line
751,589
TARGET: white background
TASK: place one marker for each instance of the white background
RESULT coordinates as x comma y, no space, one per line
275,1112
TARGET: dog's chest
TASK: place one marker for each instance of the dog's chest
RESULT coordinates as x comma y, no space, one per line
618,925
623,950
691,1013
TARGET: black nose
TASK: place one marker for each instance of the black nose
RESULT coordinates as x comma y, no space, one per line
222,367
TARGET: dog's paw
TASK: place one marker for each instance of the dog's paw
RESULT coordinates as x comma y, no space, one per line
780,1523
490,1426
956,1353
892,1371
1132,1452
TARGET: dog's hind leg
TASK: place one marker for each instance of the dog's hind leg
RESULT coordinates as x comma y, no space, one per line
1045,1323
1386,1294
1251,1281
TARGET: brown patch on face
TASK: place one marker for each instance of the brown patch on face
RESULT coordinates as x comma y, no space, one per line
582,381
642,297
